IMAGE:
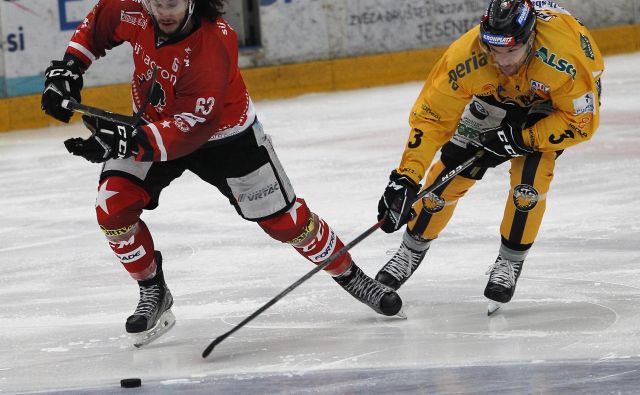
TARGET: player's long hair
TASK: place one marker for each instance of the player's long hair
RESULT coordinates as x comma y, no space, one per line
211,9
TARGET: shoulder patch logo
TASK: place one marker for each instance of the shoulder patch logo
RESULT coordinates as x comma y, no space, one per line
134,18
585,104
586,47
543,16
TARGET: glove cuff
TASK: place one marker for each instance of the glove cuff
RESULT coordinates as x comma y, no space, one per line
404,180
518,140
75,62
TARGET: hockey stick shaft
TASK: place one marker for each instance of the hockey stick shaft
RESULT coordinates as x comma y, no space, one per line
447,177
293,286
99,113
338,254
129,120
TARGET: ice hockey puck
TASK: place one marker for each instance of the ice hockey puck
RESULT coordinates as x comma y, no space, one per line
130,383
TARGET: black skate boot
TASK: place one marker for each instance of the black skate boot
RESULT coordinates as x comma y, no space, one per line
380,298
503,276
404,263
153,316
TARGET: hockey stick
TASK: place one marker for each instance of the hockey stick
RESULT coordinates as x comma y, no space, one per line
459,169
293,286
134,120
340,252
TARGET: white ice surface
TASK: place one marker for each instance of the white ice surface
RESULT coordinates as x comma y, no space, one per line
64,298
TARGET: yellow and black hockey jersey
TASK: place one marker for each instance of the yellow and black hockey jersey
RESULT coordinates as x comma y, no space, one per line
563,71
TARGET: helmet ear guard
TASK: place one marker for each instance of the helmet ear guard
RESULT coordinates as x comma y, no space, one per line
507,23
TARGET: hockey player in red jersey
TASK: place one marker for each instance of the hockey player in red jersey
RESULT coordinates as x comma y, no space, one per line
523,85
200,118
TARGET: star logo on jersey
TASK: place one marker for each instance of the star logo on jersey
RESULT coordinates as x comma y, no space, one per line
165,124
103,195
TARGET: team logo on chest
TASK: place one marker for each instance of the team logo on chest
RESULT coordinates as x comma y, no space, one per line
539,86
167,73
475,62
554,61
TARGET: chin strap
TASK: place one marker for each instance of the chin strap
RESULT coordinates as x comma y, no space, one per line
181,30
529,45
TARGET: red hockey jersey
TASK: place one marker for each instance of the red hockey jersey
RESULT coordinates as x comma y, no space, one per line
201,94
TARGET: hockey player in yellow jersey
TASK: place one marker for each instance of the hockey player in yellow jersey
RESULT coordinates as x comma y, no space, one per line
523,86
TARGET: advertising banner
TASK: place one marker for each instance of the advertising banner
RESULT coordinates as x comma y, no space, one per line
33,32
302,30
37,31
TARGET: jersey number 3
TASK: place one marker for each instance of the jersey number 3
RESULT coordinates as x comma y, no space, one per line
568,134
418,138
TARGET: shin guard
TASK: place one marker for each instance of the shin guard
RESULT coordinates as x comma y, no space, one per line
118,208
309,234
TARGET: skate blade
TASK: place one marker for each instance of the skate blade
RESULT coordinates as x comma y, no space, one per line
166,321
401,314
493,307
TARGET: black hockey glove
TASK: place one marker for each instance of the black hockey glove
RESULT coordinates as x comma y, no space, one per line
396,202
63,80
109,140
502,144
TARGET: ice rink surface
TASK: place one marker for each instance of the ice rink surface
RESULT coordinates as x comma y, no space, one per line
573,326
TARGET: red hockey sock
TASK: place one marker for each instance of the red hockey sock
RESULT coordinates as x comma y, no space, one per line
310,235
118,208
134,249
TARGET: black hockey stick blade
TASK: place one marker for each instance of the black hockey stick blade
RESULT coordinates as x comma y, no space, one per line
447,177
293,286
133,121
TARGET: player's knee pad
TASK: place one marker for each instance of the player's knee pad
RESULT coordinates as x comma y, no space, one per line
294,226
118,205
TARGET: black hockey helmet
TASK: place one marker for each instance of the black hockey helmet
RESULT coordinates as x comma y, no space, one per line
507,23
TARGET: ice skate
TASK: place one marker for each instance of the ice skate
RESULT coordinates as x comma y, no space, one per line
153,317
493,307
403,263
503,276
379,297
